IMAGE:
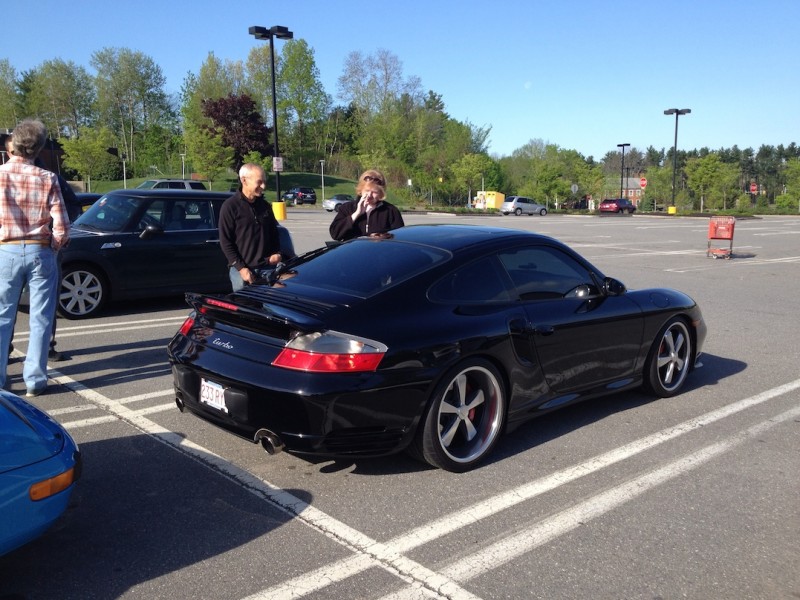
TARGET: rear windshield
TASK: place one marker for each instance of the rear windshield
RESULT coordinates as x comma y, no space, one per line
366,266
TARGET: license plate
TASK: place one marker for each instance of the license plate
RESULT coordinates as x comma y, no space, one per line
212,394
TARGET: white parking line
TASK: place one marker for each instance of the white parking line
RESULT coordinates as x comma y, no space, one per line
324,576
389,556
106,328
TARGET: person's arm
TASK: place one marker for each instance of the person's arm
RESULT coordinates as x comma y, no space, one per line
275,249
58,216
343,226
227,237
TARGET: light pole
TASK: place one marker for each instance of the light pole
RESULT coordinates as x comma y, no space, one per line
183,166
322,174
622,168
282,33
677,112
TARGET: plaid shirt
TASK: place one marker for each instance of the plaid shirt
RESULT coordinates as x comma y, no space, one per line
31,205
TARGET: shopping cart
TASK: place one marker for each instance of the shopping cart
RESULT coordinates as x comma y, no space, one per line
720,228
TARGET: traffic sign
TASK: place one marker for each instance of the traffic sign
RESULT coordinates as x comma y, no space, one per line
753,188
643,182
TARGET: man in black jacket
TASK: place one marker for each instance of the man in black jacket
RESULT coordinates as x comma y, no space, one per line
248,230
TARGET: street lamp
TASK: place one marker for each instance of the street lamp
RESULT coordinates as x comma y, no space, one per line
322,174
282,33
677,112
622,169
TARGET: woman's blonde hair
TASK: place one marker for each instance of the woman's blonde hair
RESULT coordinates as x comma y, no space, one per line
374,179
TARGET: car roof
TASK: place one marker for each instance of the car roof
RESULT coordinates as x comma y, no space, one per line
457,237
170,193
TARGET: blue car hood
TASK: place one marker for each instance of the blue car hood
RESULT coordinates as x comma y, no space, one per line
27,434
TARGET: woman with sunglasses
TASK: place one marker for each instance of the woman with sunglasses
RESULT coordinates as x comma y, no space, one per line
369,213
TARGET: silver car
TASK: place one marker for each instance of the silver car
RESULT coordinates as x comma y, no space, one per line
333,203
521,205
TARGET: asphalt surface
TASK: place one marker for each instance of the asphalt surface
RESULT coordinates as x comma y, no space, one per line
695,496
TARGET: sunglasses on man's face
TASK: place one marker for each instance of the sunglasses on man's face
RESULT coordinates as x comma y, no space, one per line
375,179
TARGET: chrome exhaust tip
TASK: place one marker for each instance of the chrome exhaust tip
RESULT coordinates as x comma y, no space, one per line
271,443
179,401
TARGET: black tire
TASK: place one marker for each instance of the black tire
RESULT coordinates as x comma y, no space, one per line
83,292
669,361
464,418
543,212
518,212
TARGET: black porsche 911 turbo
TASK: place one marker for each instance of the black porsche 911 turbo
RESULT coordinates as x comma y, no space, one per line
432,339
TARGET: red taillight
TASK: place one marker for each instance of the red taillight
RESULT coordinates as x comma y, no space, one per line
187,325
330,352
326,363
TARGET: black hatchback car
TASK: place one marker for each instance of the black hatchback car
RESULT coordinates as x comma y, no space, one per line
144,243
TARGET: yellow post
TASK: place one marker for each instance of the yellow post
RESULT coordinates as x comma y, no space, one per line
672,210
279,209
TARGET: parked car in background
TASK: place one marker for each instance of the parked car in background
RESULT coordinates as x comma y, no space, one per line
87,199
300,195
39,465
520,205
617,205
581,204
333,203
447,336
144,244
171,184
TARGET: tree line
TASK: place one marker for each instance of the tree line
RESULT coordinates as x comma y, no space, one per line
117,120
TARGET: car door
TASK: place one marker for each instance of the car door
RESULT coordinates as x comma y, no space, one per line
582,338
178,253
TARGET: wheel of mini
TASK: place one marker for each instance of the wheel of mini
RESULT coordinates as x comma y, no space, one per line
83,293
518,212
464,418
669,360
543,212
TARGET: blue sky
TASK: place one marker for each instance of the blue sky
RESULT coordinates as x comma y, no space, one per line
582,74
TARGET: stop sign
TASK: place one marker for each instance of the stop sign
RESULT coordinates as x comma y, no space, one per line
643,182
753,188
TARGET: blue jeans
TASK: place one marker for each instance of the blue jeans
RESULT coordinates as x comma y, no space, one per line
35,265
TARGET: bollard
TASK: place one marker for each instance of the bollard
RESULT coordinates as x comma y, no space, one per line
279,209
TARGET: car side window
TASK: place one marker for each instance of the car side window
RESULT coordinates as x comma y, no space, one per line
543,272
479,282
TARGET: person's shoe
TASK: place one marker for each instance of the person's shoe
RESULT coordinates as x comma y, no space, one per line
32,393
55,355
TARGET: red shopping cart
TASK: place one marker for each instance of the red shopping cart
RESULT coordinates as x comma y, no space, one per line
719,229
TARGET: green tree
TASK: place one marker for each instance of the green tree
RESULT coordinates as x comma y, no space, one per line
209,154
468,170
88,155
130,97
61,94
9,97
303,103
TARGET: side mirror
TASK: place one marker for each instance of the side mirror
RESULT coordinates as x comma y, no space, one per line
150,231
613,287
